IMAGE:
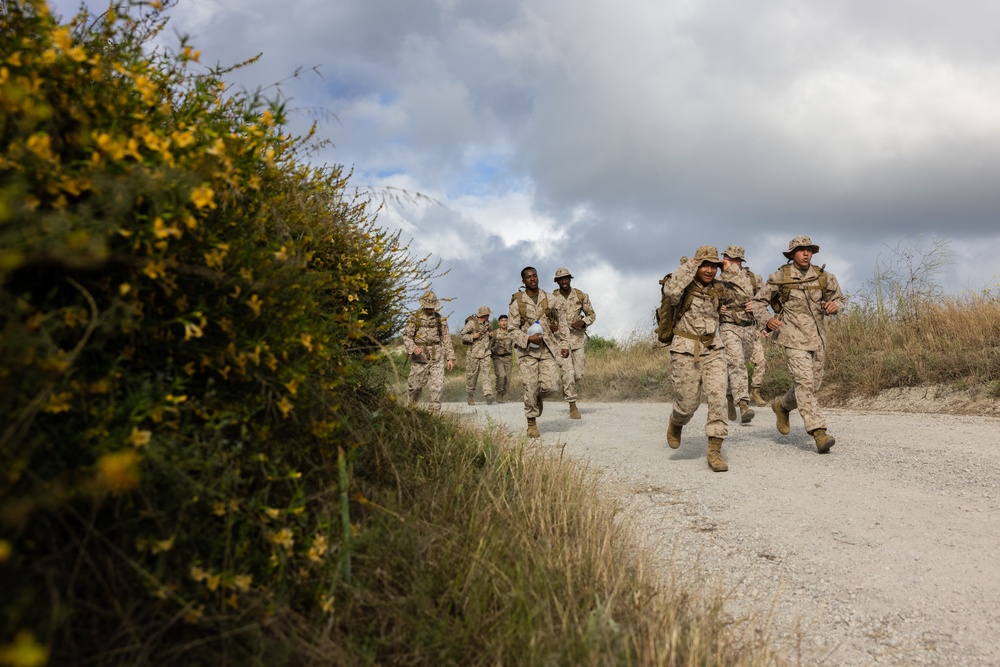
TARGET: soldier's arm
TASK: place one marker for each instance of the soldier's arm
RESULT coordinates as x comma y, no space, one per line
517,335
833,294
449,349
674,288
409,332
588,310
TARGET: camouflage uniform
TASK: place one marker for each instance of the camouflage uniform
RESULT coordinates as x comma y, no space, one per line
572,307
538,366
428,330
735,323
500,349
477,357
697,359
802,332
757,357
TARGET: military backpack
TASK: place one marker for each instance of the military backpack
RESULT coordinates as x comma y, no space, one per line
785,285
668,314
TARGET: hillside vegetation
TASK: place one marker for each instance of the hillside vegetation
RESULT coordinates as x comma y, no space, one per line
200,462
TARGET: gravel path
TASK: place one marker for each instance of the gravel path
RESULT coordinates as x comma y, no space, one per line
882,552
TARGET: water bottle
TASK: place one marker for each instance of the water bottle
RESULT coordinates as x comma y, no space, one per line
535,328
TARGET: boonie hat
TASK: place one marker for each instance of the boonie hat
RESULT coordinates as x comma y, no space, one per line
800,242
734,252
562,272
430,300
483,310
707,253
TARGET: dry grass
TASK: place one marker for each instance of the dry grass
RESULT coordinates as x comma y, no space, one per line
491,552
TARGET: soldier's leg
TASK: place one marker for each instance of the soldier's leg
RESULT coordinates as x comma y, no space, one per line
484,372
579,362
416,380
736,365
808,401
757,357
687,387
802,367
528,365
435,384
548,376
568,378
471,373
714,379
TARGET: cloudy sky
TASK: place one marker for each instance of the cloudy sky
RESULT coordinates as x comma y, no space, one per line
614,137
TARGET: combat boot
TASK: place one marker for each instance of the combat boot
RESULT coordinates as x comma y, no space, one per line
715,460
472,401
573,412
533,428
824,441
782,417
501,396
489,400
731,407
756,399
746,414
673,434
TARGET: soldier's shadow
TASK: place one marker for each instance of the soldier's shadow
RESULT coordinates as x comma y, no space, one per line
687,451
801,443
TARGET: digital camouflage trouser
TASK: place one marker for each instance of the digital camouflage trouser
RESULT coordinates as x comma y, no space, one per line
691,378
571,370
806,368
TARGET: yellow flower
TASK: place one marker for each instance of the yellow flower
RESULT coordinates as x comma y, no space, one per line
161,231
283,538
203,196
307,341
163,545
292,386
255,304
282,254
241,582
192,330
194,615
140,438
285,406
318,549
58,403
119,471
326,604
219,509
24,652
155,269
6,550
41,145
272,512
198,574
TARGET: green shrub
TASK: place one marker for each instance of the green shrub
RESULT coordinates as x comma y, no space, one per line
189,316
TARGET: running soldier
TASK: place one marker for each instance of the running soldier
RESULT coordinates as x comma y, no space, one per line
428,342
536,352
576,311
738,333
500,350
476,334
757,358
697,360
802,296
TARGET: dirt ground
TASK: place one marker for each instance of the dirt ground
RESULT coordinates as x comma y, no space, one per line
886,551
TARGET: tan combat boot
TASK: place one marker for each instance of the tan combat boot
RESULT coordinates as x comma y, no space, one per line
533,428
824,441
782,417
489,399
731,407
673,434
756,399
715,460
472,400
746,414
573,412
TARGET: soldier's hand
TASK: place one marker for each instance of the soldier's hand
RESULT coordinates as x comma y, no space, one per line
564,352
773,323
749,307
579,324
476,335
451,365
535,338
723,309
830,307
417,351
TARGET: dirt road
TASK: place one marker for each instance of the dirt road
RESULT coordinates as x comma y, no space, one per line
886,551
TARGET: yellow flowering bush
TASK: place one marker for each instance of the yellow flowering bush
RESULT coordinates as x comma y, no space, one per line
188,313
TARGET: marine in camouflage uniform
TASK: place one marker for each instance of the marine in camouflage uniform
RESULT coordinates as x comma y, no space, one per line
757,357
738,329
536,354
428,342
807,295
476,334
697,359
501,347
576,311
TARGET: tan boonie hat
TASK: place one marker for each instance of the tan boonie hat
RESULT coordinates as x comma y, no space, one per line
483,310
734,252
707,253
430,300
800,242
562,272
